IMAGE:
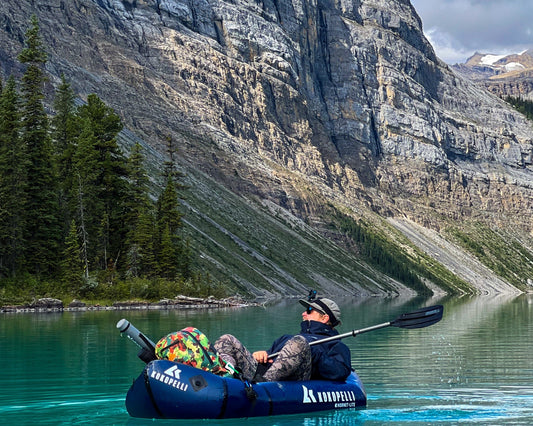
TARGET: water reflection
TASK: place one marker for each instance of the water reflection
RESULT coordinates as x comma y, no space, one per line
473,367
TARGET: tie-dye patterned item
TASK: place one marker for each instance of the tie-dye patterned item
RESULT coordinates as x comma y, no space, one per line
190,346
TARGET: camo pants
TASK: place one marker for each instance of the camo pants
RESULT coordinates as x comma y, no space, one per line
292,363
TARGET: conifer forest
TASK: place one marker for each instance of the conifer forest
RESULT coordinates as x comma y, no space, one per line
77,218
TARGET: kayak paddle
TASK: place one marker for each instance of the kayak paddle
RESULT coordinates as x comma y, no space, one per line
417,319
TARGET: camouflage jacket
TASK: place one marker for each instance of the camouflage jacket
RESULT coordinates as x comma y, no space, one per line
330,360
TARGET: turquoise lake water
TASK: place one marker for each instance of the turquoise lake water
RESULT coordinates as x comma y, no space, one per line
473,367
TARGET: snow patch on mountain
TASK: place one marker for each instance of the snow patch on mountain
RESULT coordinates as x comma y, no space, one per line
514,66
490,59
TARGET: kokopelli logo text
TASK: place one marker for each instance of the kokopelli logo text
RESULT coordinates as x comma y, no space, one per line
171,377
340,398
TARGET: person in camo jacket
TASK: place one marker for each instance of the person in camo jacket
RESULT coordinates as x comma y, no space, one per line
296,359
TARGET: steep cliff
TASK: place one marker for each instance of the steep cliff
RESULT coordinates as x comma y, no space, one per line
301,103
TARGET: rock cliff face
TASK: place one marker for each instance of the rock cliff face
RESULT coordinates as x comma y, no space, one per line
518,86
296,101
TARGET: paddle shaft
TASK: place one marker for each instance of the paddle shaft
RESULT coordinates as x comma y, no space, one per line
352,333
417,319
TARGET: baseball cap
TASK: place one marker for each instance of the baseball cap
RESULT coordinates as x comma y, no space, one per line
326,306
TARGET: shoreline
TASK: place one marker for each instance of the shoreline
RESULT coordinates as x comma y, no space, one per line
180,302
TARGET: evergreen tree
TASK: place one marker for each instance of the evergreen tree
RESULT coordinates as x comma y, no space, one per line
42,210
71,263
84,235
168,207
69,199
168,210
141,251
185,260
65,130
139,219
169,220
139,199
168,254
522,105
85,205
12,182
109,183
64,121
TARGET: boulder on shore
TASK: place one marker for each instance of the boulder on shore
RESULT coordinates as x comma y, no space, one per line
46,303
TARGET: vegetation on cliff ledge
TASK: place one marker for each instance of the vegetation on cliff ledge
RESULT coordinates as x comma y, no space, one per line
521,105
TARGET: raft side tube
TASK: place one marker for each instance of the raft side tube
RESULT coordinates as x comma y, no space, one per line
170,390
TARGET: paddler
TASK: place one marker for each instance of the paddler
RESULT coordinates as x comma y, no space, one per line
296,360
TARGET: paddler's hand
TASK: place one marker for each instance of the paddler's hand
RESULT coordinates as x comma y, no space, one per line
261,357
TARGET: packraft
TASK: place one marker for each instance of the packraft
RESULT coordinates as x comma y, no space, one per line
190,346
175,390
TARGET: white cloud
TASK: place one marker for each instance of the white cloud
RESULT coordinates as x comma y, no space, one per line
459,28
446,47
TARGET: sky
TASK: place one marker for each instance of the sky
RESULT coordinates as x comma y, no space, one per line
459,28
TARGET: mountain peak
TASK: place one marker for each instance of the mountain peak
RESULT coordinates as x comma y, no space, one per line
482,66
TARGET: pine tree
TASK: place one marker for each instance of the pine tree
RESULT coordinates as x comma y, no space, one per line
168,252
64,123
141,251
139,219
85,204
185,260
168,210
110,185
12,182
168,206
84,235
43,230
71,263
65,130
139,199
169,220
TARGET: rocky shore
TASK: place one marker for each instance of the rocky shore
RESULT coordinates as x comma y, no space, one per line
179,302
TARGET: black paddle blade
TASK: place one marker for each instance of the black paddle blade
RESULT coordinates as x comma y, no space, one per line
421,318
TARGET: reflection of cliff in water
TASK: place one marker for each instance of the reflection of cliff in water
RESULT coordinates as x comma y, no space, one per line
476,340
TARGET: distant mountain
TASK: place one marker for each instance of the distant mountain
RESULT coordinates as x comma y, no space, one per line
502,64
503,75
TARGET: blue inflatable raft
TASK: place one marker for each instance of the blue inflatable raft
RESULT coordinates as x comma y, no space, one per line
166,389
169,390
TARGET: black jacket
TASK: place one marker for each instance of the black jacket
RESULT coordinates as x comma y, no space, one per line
331,360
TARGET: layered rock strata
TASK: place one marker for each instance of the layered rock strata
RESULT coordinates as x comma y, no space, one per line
297,101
